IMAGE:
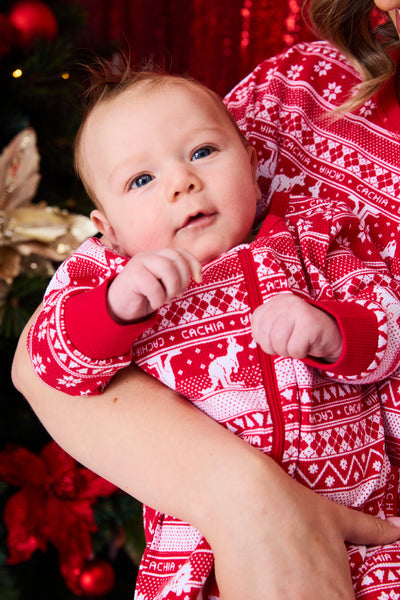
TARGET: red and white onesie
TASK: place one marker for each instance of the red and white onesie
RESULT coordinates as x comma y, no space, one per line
326,430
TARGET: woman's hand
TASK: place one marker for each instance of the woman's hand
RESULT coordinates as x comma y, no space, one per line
277,540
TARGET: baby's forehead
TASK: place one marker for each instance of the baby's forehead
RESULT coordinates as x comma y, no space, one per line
122,104
207,108
158,89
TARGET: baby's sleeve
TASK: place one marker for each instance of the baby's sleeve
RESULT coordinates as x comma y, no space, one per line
74,344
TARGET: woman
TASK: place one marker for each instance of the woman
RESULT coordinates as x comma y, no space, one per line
271,537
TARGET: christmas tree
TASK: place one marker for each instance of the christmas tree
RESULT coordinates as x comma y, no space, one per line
43,217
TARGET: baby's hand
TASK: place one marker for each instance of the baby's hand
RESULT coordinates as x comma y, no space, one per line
149,280
288,326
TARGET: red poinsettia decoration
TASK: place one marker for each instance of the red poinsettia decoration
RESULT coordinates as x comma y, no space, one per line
54,505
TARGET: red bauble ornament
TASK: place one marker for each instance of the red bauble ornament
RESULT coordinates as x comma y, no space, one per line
32,20
97,578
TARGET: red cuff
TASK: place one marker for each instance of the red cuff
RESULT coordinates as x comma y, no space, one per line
91,329
359,329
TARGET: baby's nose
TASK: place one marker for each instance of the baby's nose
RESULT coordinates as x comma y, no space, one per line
184,182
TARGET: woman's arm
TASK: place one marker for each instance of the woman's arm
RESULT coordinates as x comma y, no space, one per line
271,536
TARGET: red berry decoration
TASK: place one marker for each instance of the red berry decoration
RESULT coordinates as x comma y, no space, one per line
97,578
32,20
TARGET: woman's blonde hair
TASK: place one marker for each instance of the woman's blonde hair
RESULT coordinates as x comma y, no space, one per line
348,25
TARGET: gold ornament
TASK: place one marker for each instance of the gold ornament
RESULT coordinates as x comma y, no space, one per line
45,234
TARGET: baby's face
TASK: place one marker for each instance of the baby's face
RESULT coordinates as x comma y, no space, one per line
169,170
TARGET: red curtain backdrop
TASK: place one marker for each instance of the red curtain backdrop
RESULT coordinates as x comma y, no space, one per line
216,41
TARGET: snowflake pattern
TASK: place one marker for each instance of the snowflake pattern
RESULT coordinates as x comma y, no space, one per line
304,226
117,264
37,361
322,67
367,109
69,381
332,91
271,73
294,72
392,596
42,333
343,241
330,482
364,232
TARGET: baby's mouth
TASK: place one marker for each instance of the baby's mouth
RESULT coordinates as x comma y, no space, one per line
197,220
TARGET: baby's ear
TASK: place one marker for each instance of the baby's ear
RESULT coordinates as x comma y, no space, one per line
102,224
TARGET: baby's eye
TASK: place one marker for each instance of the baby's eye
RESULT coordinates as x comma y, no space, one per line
203,152
140,180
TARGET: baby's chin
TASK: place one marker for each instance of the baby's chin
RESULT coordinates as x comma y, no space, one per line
210,254
207,246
